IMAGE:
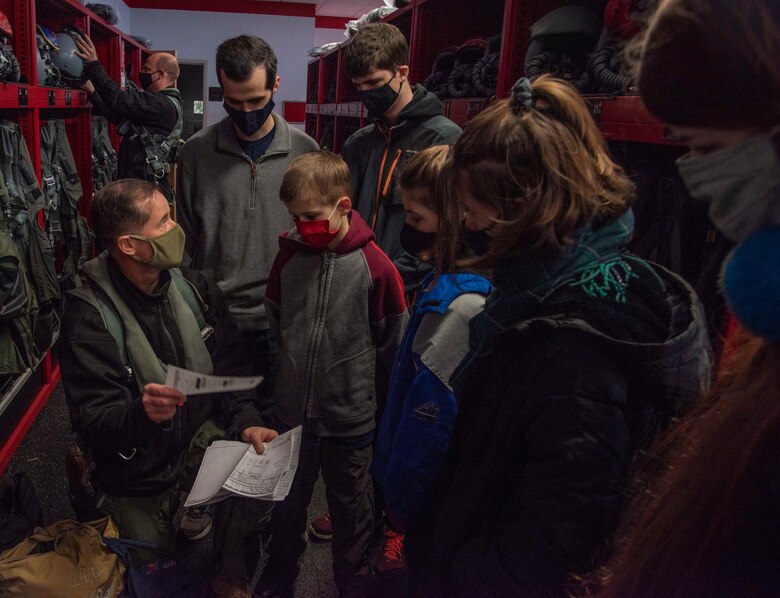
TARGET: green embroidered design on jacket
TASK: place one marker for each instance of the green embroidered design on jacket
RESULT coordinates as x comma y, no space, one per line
605,279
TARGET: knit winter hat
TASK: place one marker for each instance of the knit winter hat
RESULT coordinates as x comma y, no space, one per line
751,283
713,63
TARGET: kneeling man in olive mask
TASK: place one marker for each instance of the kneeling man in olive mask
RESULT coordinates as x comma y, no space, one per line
137,314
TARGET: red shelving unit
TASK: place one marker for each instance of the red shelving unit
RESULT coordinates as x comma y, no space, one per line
29,105
433,25
626,118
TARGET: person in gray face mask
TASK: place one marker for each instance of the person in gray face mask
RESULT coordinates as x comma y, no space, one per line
704,521
137,314
710,71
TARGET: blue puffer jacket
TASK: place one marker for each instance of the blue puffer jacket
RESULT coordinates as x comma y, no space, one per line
417,423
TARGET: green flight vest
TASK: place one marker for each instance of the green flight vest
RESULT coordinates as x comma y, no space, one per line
17,308
27,256
62,191
131,340
161,150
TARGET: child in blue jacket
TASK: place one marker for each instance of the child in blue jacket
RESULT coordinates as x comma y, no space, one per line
415,429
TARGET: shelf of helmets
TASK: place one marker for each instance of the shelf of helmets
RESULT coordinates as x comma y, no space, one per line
432,26
28,104
620,117
24,15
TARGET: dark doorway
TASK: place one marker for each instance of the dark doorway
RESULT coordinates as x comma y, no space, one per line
190,86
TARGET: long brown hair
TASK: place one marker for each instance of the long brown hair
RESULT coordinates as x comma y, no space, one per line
701,527
422,174
544,168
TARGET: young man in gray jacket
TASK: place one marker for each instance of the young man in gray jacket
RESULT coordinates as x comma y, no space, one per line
228,190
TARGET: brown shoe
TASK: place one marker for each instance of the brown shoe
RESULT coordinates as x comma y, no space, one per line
223,589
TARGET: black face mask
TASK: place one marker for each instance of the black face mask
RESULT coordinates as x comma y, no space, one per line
250,122
380,100
478,241
416,242
145,80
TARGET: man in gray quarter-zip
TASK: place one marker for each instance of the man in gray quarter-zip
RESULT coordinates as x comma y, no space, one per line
228,191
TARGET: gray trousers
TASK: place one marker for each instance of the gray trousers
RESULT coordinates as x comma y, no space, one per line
350,502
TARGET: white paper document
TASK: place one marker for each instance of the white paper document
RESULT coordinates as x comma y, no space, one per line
192,383
234,468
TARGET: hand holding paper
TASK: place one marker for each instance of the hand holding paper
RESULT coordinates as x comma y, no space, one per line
160,402
257,435
230,468
192,383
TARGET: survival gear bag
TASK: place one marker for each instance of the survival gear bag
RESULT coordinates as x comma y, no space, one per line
161,150
67,559
104,162
62,191
29,323
143,40
104,11
79,461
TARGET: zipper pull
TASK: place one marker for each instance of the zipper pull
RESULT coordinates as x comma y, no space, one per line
254,170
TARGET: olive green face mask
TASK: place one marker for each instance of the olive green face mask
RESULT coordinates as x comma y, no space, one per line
168,249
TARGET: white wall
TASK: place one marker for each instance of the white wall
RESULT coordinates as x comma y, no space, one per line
195,35
325,36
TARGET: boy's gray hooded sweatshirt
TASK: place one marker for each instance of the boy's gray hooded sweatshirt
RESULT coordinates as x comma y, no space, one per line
230,210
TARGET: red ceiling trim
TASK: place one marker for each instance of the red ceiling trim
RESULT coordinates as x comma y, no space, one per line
257,7
321,22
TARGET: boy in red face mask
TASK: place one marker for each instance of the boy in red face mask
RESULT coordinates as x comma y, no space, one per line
336,303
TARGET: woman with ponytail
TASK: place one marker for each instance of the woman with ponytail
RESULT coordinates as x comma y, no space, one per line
582,354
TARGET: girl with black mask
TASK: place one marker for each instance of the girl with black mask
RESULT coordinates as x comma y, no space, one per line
415,429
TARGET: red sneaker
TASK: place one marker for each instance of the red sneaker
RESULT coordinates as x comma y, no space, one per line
392,557
321,528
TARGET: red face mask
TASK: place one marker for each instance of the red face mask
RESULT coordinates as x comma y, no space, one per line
317,233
